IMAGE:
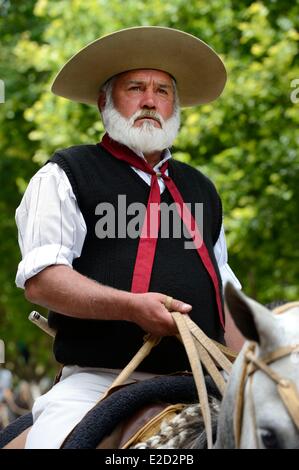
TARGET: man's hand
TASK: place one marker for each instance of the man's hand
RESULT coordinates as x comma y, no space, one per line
150,313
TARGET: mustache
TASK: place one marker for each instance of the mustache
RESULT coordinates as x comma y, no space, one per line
150,115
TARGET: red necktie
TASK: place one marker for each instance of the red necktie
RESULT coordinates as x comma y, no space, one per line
150,230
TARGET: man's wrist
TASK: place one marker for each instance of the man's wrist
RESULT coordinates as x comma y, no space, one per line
122,305
127,306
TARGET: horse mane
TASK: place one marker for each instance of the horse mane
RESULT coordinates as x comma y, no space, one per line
275,303
184,431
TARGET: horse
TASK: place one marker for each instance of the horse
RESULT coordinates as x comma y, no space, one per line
260,407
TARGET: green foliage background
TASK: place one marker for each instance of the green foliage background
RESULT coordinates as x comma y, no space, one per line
247,141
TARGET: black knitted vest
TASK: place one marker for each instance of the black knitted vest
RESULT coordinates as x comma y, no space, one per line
96,176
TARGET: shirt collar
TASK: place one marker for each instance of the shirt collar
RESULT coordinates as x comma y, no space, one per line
166,155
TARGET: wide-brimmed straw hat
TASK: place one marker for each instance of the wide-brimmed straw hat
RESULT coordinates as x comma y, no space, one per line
199,72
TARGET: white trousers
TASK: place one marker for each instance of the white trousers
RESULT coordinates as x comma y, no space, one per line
57,412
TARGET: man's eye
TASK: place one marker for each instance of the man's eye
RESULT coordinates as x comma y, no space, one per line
134,88
164,92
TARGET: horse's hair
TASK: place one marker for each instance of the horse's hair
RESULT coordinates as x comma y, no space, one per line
184,431
275,303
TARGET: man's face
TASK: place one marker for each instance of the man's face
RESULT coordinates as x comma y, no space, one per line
140,110
138,90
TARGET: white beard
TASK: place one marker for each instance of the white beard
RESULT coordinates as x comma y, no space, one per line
144,139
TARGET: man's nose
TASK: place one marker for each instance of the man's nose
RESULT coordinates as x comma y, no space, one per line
148,100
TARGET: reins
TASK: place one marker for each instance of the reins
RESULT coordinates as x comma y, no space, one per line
201,351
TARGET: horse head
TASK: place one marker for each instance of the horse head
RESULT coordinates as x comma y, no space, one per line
260,408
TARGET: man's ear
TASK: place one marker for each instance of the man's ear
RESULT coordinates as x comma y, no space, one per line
101,101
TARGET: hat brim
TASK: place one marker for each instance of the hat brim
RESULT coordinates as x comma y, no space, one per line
199,72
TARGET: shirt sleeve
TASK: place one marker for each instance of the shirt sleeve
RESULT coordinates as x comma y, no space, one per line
51,227
220,250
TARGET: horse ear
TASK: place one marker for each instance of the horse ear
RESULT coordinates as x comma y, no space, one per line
250,317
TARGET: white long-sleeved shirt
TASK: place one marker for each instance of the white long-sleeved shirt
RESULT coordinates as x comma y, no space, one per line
52,230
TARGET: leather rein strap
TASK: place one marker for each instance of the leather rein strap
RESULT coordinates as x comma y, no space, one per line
201,350
286,388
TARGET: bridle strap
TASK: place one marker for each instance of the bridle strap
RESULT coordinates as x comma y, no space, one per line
277,354
286,388
259,364
217,351
198,374
290,397
252,410
285,307
238,415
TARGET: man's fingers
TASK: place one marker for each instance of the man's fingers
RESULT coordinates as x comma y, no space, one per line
181,306
176,305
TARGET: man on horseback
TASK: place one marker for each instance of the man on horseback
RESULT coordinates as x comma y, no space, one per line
107,287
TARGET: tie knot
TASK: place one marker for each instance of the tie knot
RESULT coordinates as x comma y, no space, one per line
161,174
164,176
